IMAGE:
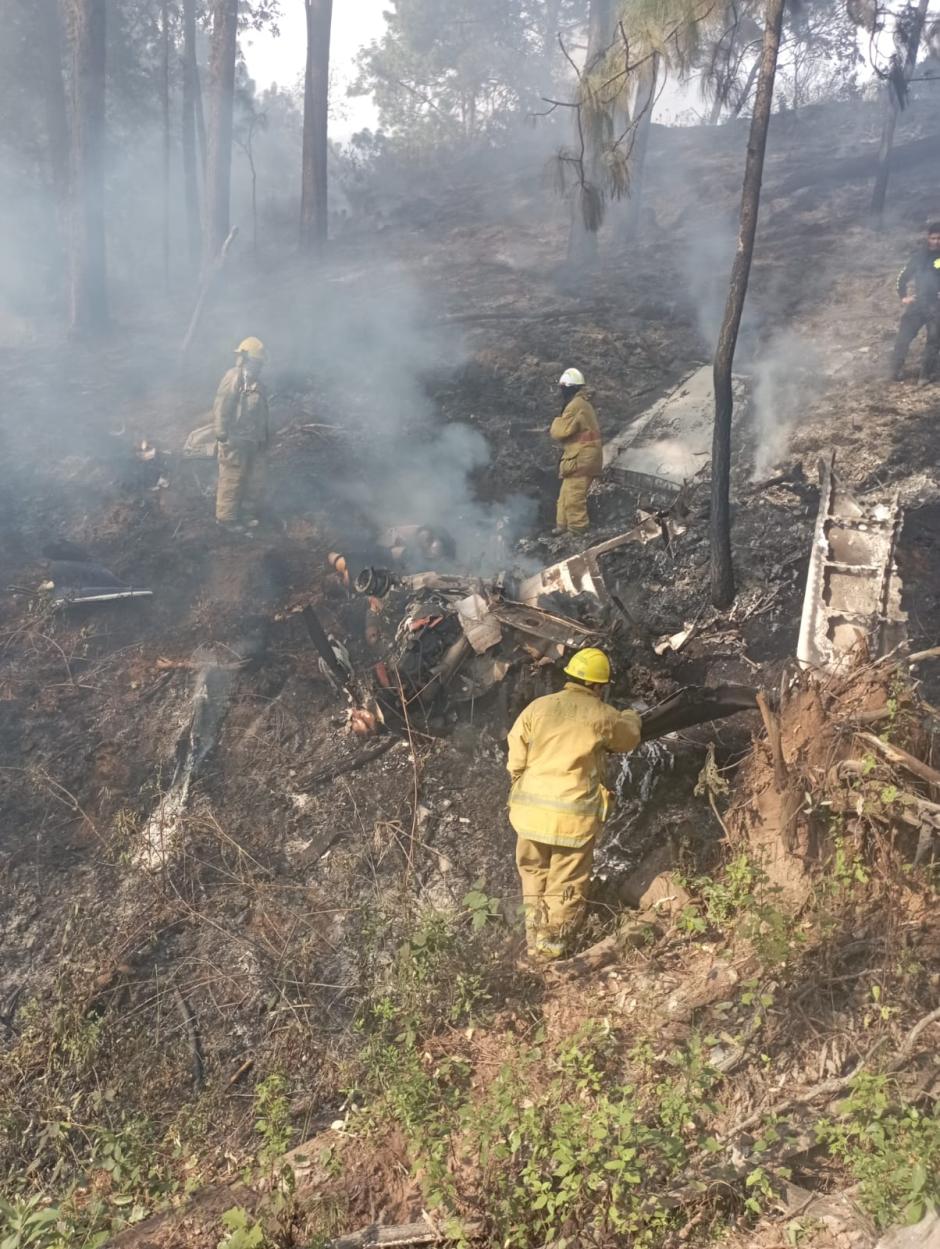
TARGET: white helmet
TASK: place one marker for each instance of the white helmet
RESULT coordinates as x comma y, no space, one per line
571,377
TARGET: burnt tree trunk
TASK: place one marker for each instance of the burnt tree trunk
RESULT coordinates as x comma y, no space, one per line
89,280
219,148
722,570
190,174
165,108
200,121
893,107
56,113
313,190
582,240
643,124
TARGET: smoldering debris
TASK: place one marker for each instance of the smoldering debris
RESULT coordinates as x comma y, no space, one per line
212,687
447,640
641,771
73,576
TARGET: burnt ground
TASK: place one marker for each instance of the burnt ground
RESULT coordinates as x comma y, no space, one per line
256,910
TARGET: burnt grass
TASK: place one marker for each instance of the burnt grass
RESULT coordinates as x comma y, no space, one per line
254,915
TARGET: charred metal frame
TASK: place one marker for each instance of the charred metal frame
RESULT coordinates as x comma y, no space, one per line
853,589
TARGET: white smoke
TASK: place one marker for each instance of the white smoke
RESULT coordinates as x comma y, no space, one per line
785,374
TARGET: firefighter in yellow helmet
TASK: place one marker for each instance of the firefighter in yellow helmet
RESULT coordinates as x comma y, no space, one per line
582,457
240,423
557,754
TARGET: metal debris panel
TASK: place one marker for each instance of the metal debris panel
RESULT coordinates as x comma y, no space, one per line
853,589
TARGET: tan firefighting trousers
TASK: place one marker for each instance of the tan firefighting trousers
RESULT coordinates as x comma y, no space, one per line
571,512
554,891
242,475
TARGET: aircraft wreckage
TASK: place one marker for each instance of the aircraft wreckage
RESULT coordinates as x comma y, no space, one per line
449,640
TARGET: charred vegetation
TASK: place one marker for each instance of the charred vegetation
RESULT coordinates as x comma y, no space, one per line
262,972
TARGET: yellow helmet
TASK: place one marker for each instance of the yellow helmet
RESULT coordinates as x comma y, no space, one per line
253,348
590,665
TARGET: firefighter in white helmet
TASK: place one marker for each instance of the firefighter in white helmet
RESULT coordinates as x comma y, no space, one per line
240,422
582,455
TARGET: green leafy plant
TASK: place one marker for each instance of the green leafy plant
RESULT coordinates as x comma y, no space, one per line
481,908
891,1148
28,1224
741,897
243,1231
272,1123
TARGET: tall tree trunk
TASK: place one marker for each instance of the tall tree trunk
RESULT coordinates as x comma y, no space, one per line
313,189
200,122
57,124
582,242
221,104
165,102
551,12
190,175
89,285
643,115
722,570
893,107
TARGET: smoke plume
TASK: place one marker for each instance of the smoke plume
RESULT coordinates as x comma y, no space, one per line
784,376
371,352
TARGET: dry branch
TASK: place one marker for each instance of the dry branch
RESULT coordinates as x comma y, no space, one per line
772,725
828,1088
347,765
902,758
208,283
197,1063
919,656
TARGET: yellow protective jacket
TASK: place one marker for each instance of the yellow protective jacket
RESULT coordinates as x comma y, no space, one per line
240,411
557,755
580,436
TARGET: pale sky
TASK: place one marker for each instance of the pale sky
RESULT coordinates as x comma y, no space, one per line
281,60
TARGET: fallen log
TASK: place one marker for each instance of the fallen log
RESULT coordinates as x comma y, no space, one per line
424,1233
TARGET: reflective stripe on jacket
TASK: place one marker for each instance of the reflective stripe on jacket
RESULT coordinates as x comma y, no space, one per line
557,755
580,435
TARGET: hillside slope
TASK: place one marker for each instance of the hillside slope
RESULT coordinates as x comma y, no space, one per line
338,960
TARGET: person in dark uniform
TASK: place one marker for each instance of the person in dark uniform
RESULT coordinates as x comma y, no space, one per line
919,290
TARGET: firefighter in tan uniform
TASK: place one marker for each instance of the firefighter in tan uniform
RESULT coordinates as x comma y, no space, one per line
240,424
582,457
557,754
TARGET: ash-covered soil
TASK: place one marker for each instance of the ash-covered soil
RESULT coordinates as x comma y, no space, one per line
255,911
